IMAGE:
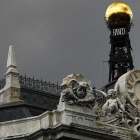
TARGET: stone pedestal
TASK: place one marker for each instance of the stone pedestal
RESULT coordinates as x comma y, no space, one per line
11,94
75,114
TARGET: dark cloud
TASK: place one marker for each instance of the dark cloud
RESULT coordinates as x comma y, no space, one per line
54,38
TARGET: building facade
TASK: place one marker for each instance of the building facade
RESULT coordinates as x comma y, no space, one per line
35,110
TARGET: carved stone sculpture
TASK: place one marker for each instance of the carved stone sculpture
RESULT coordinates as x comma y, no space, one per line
133,114
120,107
113,104
77,90
136,130
113,109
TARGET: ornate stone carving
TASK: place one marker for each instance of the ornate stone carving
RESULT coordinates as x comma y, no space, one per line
112,112
133,119
77,90
122,106
113,105
129,87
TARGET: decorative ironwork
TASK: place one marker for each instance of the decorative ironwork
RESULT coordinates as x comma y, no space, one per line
120,60
31,83
108,25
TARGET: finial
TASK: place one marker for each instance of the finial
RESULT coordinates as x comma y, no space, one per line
11,60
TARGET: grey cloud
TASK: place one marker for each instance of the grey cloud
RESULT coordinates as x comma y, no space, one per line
54,38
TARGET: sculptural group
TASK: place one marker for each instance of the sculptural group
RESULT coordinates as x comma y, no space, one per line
111,108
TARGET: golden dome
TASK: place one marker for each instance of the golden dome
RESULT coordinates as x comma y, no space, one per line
118,13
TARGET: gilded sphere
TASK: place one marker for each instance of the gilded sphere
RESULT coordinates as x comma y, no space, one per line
118,13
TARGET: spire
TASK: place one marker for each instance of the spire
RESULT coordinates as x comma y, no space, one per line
12,86
11,60
11,75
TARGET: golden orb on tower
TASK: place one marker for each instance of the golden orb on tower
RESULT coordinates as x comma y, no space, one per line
118,13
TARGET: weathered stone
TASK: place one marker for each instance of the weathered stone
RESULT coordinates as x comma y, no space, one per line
77,91
77,114
11,94
11,60
11,90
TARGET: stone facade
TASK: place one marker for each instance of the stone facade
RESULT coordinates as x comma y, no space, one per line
64,123
35,110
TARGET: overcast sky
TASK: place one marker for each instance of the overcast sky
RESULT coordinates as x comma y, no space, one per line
55,38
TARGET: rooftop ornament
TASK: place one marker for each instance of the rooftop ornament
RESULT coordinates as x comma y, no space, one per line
119,13
77,90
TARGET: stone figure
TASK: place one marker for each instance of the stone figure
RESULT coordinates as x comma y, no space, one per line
67,95
77,90
113,104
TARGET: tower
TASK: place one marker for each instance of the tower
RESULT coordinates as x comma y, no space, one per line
119,22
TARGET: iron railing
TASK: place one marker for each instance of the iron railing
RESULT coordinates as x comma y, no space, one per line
33,84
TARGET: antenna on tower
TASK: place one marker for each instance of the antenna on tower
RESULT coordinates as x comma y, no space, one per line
104,71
